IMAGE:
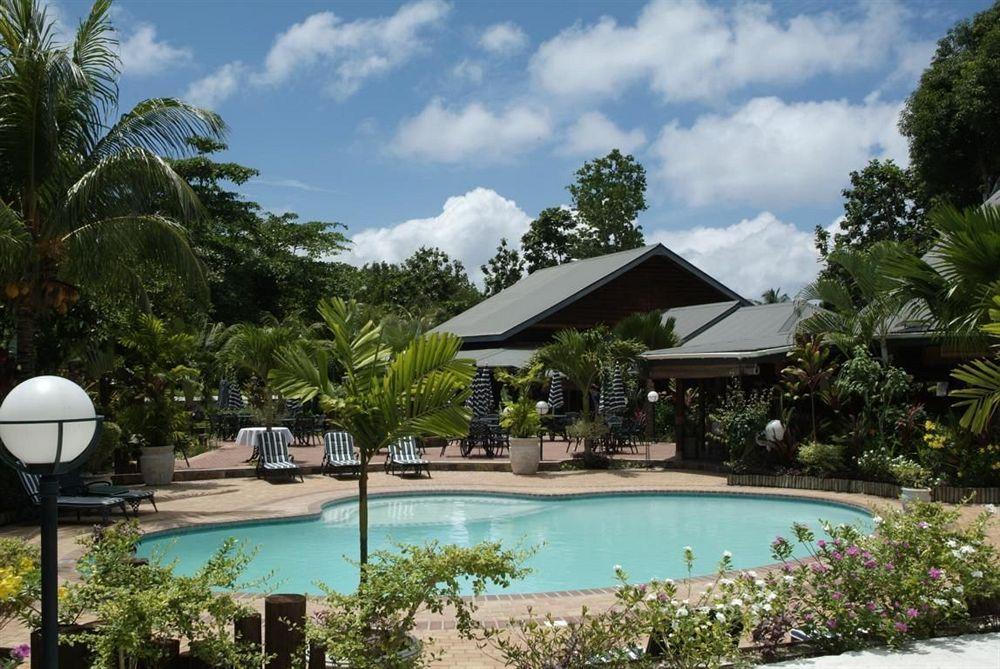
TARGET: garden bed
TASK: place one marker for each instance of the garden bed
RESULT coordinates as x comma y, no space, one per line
950,494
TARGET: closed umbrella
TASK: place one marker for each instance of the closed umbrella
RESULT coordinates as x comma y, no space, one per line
481,399
612,391
556,399
235,399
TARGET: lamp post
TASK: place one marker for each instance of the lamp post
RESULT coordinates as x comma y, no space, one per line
48,427
542,407
652,397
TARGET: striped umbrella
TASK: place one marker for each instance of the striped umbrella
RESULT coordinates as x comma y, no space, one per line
293,406
556,399
235,399
481,400
612,391
224,390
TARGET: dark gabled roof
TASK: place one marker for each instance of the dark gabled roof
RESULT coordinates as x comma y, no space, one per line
546,291
744,332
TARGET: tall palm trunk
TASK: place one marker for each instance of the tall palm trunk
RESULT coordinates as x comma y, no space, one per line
26,327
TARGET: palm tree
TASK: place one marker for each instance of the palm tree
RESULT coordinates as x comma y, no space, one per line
254,350
860,307
380,396
981,395
649,329
773,296
82,197
809,374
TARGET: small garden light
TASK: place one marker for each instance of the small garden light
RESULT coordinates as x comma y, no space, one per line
652,397
542,407
48,427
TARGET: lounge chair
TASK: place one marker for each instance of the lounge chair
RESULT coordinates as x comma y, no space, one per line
339,453
72,483
274,457
77,503
403,456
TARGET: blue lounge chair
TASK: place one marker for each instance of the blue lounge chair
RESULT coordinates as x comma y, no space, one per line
339,453
72,483
273,456
77,503
403,456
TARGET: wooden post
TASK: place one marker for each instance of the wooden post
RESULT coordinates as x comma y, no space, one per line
247,629
317,657
284,629
679,418
71,656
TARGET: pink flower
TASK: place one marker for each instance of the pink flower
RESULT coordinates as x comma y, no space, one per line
837,596
831,623
934,573
21,653
821,543
912,612
901,627
870,606
819,568
837,555
870,564
923,525
889,566
853,550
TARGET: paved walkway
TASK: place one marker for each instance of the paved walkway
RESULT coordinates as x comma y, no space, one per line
973,651
227,500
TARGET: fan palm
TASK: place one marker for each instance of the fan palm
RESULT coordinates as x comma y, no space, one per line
254,349
860,304
380,396
981,395
649,329
82,197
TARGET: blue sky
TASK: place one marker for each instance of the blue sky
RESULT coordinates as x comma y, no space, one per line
454,123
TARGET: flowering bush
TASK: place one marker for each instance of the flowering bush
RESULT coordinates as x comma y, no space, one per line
16,657
917,570
20,580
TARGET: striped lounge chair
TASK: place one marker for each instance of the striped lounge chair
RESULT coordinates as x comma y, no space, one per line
273,456
339,453
403,456
71,483
77,503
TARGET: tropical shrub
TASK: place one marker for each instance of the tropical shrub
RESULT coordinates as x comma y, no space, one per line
520,417
918,570
739,419
139,605
873,464
370,628
109,442
809,372
20,581
877,393
821,459
909,473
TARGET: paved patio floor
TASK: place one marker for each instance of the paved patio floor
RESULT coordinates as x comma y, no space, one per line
973,651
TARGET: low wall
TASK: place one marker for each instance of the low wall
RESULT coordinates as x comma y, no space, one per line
950,494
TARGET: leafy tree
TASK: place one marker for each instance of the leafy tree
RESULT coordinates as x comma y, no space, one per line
429,282
83,196
381,396
951,119
548,240
648,329
773,296
608,195
809,372
258,263
503,270
860,301
884,203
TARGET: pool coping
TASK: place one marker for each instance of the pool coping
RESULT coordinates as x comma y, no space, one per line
315,510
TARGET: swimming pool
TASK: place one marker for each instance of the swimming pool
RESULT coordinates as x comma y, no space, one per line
580,538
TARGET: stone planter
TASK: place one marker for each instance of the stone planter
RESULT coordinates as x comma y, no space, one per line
908,495
524,458
157,465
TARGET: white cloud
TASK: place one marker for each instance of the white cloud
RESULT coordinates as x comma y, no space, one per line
467,228
594,133
440,134
503,39
294,184
912,59
213,90
750,256
142,54
468,70
689,50
771,151
351,52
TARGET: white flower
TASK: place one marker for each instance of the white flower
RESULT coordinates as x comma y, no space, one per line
681,612
991,509
617,568
877,520
725,581
966,549
940,602
736,603
720,617
956,602
770,596
727,554
752,574
951,543
789,578
760,583
976,574
668,581
959,589
766,607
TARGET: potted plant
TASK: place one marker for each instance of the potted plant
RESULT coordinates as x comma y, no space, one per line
914,479
155,375
372,627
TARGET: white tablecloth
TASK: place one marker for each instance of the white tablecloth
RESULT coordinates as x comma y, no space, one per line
248,435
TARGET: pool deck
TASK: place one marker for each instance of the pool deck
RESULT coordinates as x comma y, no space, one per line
232,500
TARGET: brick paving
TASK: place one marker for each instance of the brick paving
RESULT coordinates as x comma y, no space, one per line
228,500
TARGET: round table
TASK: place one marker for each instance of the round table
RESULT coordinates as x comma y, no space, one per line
247,436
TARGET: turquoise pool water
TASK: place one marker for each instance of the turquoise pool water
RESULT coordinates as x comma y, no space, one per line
580,539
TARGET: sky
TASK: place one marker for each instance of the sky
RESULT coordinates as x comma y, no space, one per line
452,124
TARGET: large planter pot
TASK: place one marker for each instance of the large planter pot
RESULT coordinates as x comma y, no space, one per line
909,495
524,458
157,464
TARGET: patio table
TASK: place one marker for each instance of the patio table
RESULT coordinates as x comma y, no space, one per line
247,436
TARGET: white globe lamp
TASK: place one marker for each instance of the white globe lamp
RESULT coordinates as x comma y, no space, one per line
542,408
34,414
653,397
774,431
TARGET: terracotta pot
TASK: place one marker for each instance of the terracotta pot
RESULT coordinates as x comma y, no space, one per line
524,458
157,464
